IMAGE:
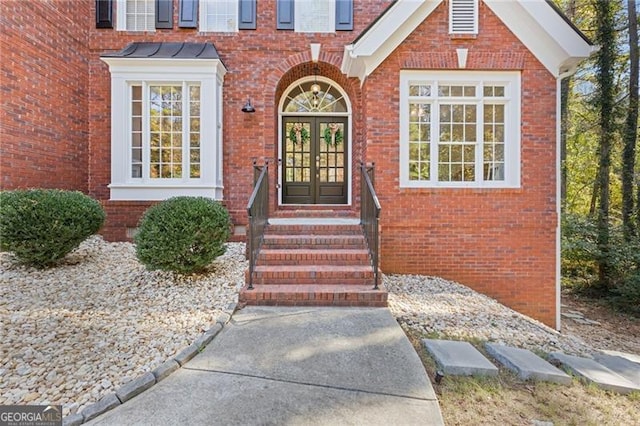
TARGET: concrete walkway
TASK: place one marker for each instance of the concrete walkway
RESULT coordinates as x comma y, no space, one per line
294,366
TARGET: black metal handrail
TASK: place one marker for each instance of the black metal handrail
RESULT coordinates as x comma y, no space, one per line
370,216
258,213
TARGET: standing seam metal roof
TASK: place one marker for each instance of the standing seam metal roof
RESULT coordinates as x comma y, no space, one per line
155,50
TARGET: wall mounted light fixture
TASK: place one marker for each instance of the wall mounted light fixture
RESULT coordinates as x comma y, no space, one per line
248,107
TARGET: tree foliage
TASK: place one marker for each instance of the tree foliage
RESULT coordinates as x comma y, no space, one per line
601,165
605,58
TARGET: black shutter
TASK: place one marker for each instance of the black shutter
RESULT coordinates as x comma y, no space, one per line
164,13
344,15
188,14
104,14
247,15
284,12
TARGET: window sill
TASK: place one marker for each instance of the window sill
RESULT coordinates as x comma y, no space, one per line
126,31
134,192
457,186
217,32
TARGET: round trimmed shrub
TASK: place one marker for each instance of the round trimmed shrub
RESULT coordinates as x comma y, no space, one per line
41,226
182,234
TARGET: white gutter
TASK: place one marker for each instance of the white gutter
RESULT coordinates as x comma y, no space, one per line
559,79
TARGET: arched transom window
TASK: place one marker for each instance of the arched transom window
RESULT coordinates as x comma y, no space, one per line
316,97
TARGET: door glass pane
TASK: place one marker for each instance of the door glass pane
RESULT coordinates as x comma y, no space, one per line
297,151
332,138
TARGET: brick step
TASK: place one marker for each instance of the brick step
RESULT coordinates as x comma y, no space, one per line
314,274
312,229
329,241
313,295
297,213
274,256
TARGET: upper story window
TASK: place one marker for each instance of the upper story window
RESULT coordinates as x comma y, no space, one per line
463,16
136,15
315,16
459,129
219,15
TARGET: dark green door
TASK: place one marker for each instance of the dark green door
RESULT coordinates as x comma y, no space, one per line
314,160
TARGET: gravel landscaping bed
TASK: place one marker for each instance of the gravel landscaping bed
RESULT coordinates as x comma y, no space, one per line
445,309
71,334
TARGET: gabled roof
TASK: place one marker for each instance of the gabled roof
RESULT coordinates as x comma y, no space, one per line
166,51
384,35
540,26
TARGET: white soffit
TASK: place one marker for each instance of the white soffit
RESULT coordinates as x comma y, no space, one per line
363,56
554,42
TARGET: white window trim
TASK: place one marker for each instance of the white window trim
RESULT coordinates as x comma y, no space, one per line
202,18
121,17
209,74
475,18
297,17
512,83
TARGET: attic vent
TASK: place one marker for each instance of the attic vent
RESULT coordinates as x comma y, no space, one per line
463,16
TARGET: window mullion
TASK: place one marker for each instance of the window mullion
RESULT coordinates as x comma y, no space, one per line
146,143
435,139
186,124
480,140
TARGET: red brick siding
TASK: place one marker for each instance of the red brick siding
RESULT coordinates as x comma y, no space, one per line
498,241
125,214
44,80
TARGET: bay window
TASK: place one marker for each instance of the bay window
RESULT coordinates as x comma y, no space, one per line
166,128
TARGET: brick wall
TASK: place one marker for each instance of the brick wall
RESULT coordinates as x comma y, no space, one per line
44,80
498,241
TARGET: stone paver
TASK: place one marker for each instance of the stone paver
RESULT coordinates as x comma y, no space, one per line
136,387
165,369
595,372
187,354
73,420
105,404
627,369
459,358
527,364
631,357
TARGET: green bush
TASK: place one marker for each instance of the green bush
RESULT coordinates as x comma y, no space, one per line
579,249
182,234
580,254
41,226
627,294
